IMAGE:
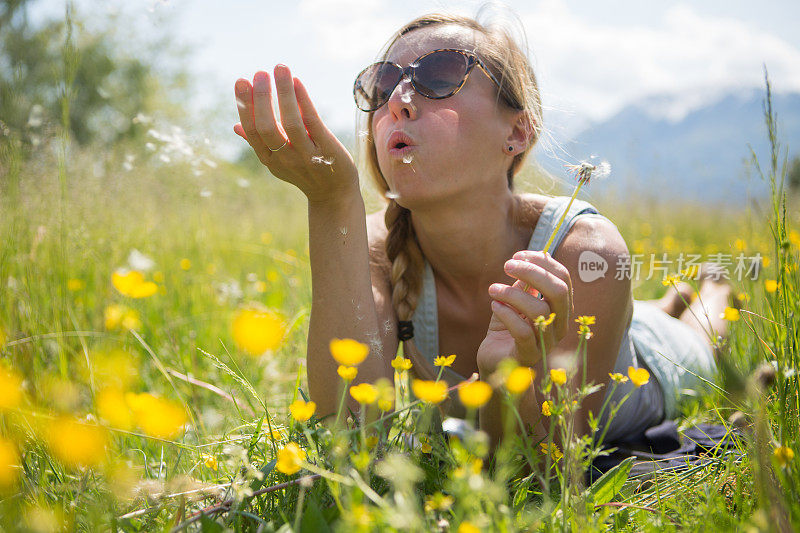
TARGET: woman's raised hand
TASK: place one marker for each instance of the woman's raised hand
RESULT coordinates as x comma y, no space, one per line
298,149
512,331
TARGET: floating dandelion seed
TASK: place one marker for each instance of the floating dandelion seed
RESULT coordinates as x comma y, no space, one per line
243,183
407,159
205,193
141,119
150,147
321,160
138,261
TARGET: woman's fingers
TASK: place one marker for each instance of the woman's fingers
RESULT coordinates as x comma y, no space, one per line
290,113
520,300
264,115
519,328
244,104
320,135
549,277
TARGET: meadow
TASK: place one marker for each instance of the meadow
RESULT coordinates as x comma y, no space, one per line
154,304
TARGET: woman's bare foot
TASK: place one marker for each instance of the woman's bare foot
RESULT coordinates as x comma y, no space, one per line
676,299
703,314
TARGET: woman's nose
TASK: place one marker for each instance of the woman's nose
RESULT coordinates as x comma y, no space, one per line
400,101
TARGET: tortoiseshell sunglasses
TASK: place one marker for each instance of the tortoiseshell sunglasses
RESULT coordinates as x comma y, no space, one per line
436,74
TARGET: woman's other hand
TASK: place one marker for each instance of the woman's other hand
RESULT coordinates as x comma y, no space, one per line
512,332
298,149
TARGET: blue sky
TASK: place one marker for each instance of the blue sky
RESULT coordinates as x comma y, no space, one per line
591,57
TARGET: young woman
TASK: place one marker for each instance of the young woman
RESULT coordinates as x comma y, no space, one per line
451,112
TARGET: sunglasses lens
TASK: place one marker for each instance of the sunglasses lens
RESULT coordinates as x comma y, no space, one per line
439,74
375,84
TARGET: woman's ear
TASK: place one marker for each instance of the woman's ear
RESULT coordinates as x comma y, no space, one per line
520,134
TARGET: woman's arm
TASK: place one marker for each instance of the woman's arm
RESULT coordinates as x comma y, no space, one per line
607,299
302,151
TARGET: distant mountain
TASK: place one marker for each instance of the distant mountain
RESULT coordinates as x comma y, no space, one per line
701,154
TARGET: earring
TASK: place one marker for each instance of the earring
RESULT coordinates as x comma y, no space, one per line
510,149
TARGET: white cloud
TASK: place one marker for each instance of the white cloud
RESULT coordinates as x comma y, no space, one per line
595,69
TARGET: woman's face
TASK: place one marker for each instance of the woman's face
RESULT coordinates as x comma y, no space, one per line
458,142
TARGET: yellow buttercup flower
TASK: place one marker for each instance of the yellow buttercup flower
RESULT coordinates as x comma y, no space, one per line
444,360
541,322
771,285
783,455
10,468
619,378
429,391
347,373
185,264
211,462
348,352
112,407
364,393
10,388
547,408
385,394
467,527
519,379
120,317
558,376
555,453
587,320
132,284
731,314
400,363
302,411
639,376
77,444
156,416
475,395
257,330
691,272
743,297
438,502
290,459
74,284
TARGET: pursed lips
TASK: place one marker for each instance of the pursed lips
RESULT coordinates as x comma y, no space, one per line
400,144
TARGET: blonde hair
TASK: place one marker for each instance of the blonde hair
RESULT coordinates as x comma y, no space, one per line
508,62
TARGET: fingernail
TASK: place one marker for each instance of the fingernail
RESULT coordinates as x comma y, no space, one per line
241,86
